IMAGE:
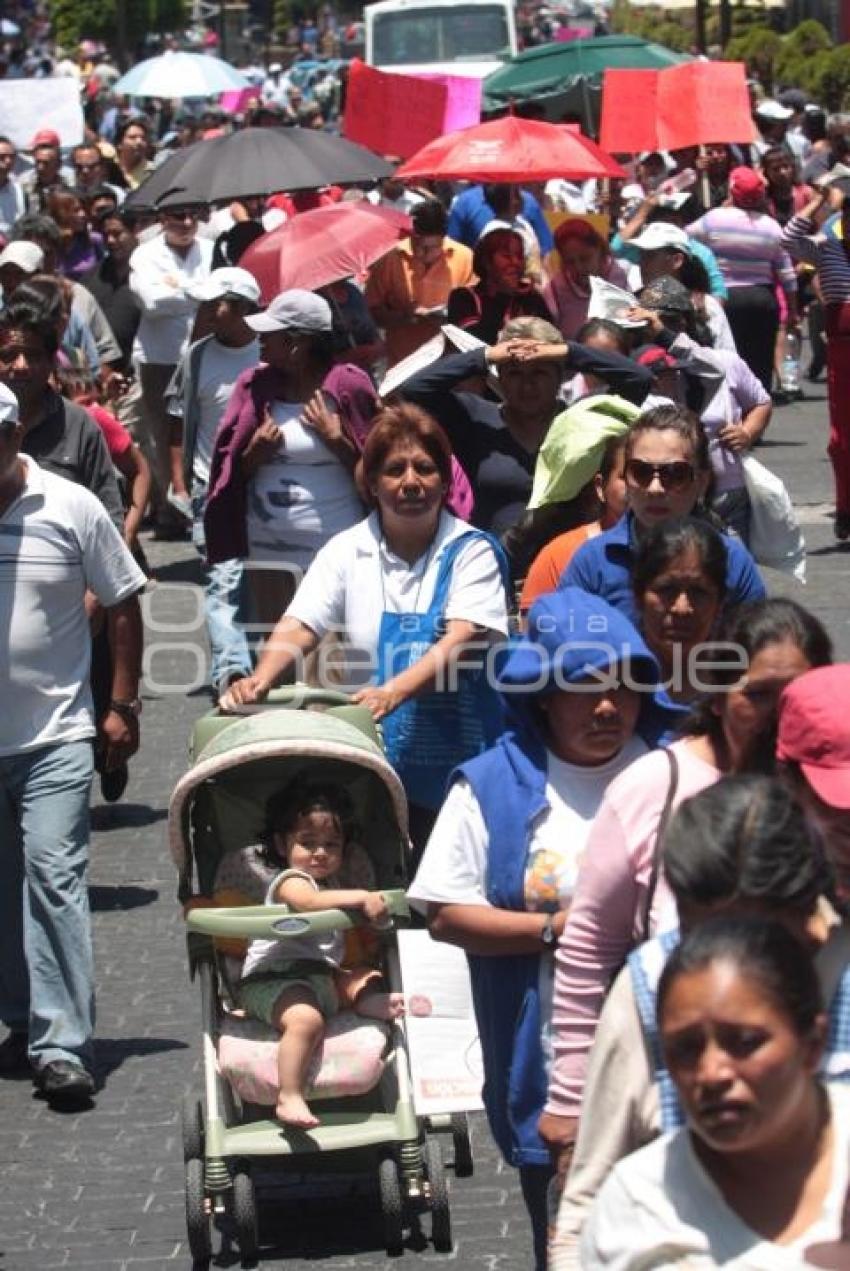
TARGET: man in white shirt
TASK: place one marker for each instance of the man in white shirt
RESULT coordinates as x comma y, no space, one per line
161,270
56,541
197,398
13,202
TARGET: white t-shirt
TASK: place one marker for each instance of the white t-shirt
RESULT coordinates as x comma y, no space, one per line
266,956
219,370
301,498
355,578
453,869
56,540
159,276
660,1209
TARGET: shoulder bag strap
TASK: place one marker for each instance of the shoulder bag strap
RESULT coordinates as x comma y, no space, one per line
664,821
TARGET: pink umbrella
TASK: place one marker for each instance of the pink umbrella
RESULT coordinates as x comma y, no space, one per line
323,246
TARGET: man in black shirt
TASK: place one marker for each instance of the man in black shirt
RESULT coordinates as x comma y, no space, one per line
109,280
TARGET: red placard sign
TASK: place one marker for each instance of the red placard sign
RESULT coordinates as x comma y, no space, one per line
392,114
696,103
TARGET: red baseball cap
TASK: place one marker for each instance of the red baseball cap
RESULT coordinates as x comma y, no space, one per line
814,731
746,187
46,137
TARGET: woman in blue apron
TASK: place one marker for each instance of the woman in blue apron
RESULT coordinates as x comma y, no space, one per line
418,599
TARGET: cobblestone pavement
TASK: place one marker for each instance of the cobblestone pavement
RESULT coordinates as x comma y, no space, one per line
103,1189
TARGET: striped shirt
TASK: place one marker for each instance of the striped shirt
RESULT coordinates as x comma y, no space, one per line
748,246
825,250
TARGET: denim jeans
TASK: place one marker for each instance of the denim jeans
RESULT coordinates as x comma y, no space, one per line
224,603
46,963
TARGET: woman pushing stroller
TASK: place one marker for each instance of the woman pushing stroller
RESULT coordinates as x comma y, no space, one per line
297,984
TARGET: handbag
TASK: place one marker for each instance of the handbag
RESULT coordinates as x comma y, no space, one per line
775,536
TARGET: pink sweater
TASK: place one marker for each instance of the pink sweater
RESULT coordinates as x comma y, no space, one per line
608,900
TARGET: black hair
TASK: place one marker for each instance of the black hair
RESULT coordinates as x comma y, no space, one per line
231,245
7,141
776,152
662,544
694,275
284,809
614,450
483,251
673,419
44,294
33,226
752,628
745,838
595,326
131,122
763,951
429,217
31,319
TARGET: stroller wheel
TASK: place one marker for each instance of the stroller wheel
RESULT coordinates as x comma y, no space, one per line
392,1205
463,1160
197,1218
441,1219
244,1203
192,1125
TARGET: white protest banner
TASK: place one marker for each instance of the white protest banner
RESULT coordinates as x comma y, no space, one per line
29,105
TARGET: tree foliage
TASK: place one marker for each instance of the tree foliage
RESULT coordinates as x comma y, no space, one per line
801,61
759,48
75,20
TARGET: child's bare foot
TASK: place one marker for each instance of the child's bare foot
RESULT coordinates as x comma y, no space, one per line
292,1110
381,1005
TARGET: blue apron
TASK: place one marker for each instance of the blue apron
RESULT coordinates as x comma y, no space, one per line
426,737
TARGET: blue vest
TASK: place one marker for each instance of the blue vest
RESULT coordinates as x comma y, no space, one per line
509,783
646,964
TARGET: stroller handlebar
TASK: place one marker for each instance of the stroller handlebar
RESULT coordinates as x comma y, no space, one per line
279,922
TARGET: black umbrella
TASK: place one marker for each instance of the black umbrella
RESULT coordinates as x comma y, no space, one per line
258,161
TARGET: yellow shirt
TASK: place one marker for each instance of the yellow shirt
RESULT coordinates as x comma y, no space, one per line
399,281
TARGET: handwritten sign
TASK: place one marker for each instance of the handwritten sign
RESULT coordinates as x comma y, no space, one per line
393,115
695,103
28,105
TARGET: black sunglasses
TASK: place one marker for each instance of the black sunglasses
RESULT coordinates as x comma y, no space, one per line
673,476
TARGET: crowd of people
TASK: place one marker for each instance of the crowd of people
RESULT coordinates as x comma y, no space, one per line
522,533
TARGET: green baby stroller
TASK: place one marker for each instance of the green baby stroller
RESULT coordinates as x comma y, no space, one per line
360,1086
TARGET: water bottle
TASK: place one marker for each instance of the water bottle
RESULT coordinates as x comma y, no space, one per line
790,373
677,184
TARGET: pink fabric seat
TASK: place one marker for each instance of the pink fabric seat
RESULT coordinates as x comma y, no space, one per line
349,1062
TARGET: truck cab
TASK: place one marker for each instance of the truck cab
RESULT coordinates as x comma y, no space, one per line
473,37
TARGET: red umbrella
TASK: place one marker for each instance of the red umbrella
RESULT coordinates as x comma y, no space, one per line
323,246
510,149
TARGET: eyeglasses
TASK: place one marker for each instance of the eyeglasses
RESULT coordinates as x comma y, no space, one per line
672,476
87,167
183,214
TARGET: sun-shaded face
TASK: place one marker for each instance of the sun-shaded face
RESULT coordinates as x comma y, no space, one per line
743,1073
588,725
408,488
581,258
680,606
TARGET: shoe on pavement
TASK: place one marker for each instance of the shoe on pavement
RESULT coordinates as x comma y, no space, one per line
113,782
180,502
64,1083
842,526
13,1054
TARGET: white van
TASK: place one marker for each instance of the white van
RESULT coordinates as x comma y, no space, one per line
472,37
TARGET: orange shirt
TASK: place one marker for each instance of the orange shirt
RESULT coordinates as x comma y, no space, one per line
551,561
399,281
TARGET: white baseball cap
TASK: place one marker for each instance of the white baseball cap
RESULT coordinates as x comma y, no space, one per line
9,410
294,310
662,235
27,256
227,281
771,109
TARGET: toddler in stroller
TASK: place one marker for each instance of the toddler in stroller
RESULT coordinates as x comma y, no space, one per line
299,985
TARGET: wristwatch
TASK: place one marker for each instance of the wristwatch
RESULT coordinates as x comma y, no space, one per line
548,935
128,710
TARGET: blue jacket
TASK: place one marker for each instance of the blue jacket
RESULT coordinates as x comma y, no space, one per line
603,566
509,784
469,214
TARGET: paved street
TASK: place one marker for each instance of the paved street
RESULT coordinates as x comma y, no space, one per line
104,1189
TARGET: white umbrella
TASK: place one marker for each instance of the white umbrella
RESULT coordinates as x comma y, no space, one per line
181,75
9,28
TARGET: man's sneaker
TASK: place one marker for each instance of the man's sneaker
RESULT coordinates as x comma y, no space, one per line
64,1083
842,526
180,501
13,1054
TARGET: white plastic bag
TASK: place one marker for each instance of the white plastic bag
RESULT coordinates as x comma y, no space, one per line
775,536
608,301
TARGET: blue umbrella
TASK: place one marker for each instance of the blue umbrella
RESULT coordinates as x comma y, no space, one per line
181,75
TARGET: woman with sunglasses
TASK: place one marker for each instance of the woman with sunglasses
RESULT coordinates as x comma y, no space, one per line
668,476
621,898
